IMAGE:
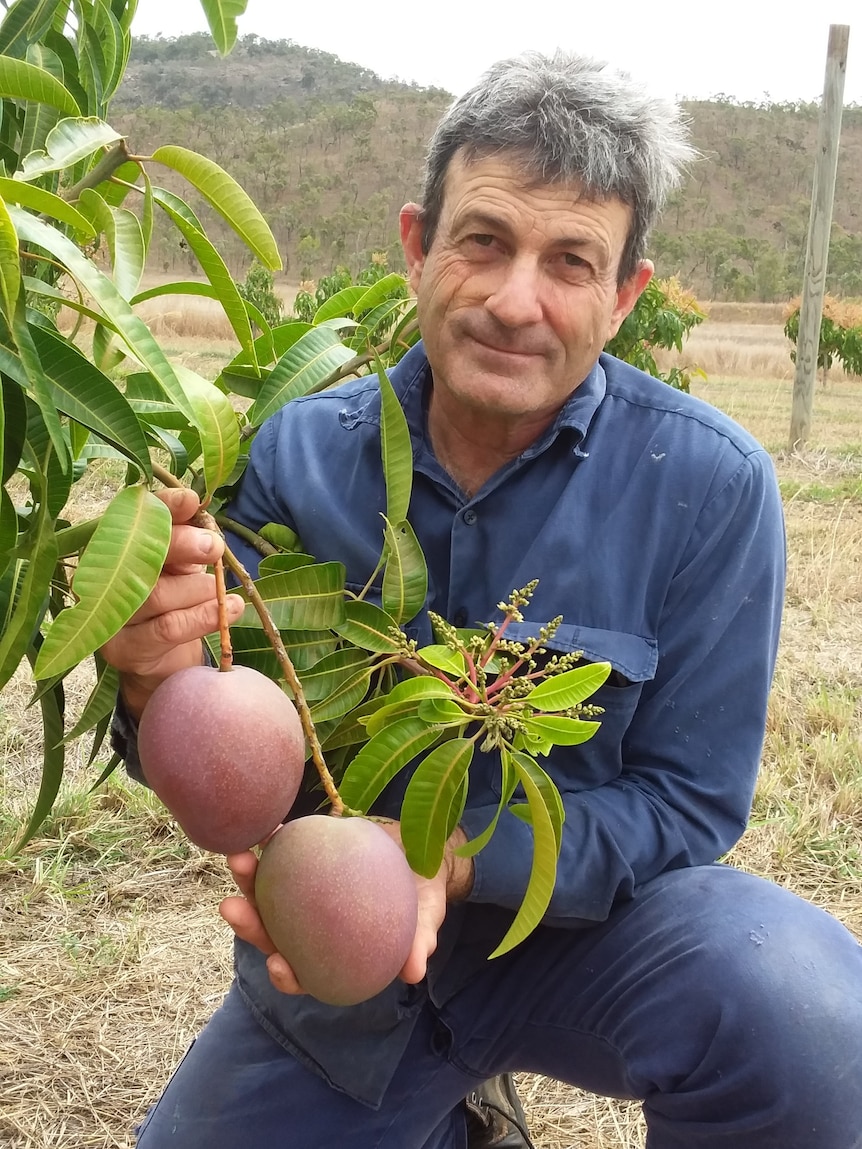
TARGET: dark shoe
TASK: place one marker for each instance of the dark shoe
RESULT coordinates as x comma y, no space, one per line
495,1116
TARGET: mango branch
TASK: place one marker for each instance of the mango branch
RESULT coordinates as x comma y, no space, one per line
204,519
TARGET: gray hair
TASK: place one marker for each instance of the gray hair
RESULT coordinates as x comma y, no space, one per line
567,120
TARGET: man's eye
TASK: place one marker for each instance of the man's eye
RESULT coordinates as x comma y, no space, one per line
482,240
572,260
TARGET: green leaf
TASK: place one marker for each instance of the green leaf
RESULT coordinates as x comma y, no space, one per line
10,269
23,22
67,143
22,81
82,392
38,384
310,598
443,712
133,330
215,269
223,193
561,731
53,760
543,874
431,793
404,699
222,17
101,702
381,759
509,782
380,291
324,678
405,576
338,305
368,626
445,659
312,360
565,690
115,575
273,564
46,203
217,422
8,528
278,535
396,450
347,694
125,240
550,794
166,198
39,119
32,597
14,421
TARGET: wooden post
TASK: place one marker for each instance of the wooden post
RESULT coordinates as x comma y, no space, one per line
819,226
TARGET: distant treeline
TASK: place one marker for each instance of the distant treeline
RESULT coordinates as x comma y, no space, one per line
330,152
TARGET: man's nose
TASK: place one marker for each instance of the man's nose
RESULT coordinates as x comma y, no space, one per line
515,299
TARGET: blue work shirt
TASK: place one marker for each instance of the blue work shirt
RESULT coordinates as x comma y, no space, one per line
654,526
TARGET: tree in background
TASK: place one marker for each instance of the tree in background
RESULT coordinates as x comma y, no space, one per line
840,335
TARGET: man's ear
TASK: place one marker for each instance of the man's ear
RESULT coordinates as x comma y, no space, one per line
628,294
410,222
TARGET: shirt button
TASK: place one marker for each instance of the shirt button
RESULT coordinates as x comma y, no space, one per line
460,617
470,517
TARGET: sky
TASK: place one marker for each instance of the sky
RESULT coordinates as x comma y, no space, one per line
746,49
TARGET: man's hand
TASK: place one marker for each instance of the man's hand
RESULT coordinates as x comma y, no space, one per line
452,882
165,634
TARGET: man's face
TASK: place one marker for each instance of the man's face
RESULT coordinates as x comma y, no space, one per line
518,293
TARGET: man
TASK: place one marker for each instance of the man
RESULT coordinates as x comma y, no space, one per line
731,1008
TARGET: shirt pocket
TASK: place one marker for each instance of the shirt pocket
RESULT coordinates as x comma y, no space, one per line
633,660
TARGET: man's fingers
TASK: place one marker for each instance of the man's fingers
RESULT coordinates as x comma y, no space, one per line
243,867
182,502
176,592
192,547
281,975
245,922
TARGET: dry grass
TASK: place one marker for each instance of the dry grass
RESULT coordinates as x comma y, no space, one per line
112,954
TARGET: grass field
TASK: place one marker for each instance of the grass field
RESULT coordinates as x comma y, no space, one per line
112,953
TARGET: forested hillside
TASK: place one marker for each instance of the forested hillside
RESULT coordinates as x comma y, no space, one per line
330,152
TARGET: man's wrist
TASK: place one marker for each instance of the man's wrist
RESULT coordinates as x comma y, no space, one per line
459,879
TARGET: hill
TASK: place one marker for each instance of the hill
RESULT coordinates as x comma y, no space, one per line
330,152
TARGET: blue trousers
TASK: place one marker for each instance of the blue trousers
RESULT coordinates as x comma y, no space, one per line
731,1008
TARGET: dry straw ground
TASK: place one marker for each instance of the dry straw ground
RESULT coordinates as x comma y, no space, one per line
111,950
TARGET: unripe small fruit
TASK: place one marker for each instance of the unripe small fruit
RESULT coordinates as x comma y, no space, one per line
339,901
224,750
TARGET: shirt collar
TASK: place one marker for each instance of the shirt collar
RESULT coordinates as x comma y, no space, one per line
411,378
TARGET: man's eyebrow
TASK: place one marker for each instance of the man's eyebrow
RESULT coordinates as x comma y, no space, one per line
478,218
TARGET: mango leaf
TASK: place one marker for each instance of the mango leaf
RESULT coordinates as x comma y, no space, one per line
550,794
381,759
46,203
368,626
405,576
215,269
83,393
101,702
207,291
133,330
396,450
508,784
166,198
22,81
38,385
327,675
540,887
114,45
8,528
445,659
310,598
565,690
125,240
561,731
380,291
14,420
442,712
339,304
115,574
68,142
216,420
350,730
313,359
10,269
278,535
404,700
32,597
347,694
431,793
39,119
223,193
222,16
24,21
53,759
38,287
272,564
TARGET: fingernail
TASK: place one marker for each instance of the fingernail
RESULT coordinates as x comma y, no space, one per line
206,542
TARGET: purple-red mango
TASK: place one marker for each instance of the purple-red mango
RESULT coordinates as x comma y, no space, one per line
339,901
224,751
